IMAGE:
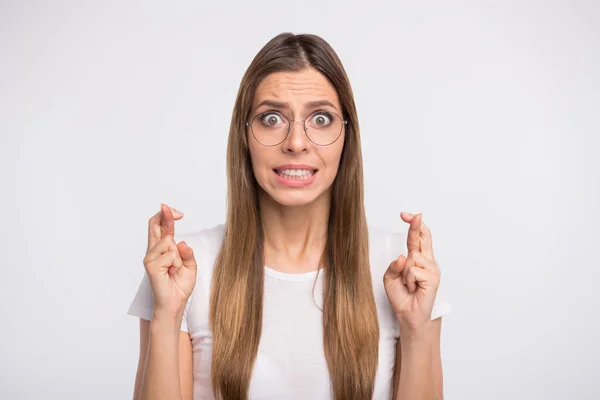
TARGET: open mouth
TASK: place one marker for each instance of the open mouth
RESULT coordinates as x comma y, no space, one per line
296,174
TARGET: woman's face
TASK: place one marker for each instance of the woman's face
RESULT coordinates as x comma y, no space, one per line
277,168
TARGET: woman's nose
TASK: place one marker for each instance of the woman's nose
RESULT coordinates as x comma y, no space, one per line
296,140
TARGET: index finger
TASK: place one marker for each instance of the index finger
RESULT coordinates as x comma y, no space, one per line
167,225
413,240
161,224
426,244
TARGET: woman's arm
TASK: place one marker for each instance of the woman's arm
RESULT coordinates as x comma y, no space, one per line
185,362
144,334
418,370
161,379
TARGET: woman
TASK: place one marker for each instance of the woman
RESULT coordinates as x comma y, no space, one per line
294,297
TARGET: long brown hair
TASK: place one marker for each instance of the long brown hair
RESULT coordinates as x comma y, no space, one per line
350,324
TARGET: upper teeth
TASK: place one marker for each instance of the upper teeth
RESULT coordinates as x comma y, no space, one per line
296,172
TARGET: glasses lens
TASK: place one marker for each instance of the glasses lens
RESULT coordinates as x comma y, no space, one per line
270,128
323,127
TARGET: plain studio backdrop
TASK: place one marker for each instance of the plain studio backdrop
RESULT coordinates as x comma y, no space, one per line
482,115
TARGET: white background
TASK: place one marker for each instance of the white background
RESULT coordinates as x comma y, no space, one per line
483,115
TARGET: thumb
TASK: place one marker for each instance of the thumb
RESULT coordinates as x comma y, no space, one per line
396,267
187,255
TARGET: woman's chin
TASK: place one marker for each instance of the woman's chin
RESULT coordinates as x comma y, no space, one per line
293,201
291,197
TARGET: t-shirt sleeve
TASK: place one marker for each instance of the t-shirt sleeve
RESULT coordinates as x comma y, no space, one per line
142,305
397,246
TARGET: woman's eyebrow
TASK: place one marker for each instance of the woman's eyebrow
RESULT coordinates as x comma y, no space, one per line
310,104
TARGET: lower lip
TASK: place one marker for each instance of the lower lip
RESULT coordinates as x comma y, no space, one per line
291,182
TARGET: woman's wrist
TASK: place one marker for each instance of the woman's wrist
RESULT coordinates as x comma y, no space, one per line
415,334
167,319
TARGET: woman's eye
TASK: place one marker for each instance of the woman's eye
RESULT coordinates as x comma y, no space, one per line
321,119
271,119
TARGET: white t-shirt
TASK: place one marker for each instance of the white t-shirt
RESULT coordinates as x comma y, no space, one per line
290,363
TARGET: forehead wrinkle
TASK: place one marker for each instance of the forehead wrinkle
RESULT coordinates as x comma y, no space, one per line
314,96
305,105
276,88
298,86
297,82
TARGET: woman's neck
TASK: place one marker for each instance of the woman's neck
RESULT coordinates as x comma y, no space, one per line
294,236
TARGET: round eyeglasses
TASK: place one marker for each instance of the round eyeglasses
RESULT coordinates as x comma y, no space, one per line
270,128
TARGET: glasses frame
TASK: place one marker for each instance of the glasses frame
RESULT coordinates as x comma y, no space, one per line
290,122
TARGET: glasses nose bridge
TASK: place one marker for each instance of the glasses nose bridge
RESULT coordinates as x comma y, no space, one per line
296,120
290,122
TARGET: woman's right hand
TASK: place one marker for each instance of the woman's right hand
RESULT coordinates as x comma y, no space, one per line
171,266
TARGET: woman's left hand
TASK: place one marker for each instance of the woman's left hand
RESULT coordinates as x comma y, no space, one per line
411,282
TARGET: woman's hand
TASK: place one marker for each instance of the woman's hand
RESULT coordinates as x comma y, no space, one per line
411,282
171,266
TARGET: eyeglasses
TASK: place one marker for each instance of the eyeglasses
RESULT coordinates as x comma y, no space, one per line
270,128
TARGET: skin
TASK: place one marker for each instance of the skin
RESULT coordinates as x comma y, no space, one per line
165,360
411,285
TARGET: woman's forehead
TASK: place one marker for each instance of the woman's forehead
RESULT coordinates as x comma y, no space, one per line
296,88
